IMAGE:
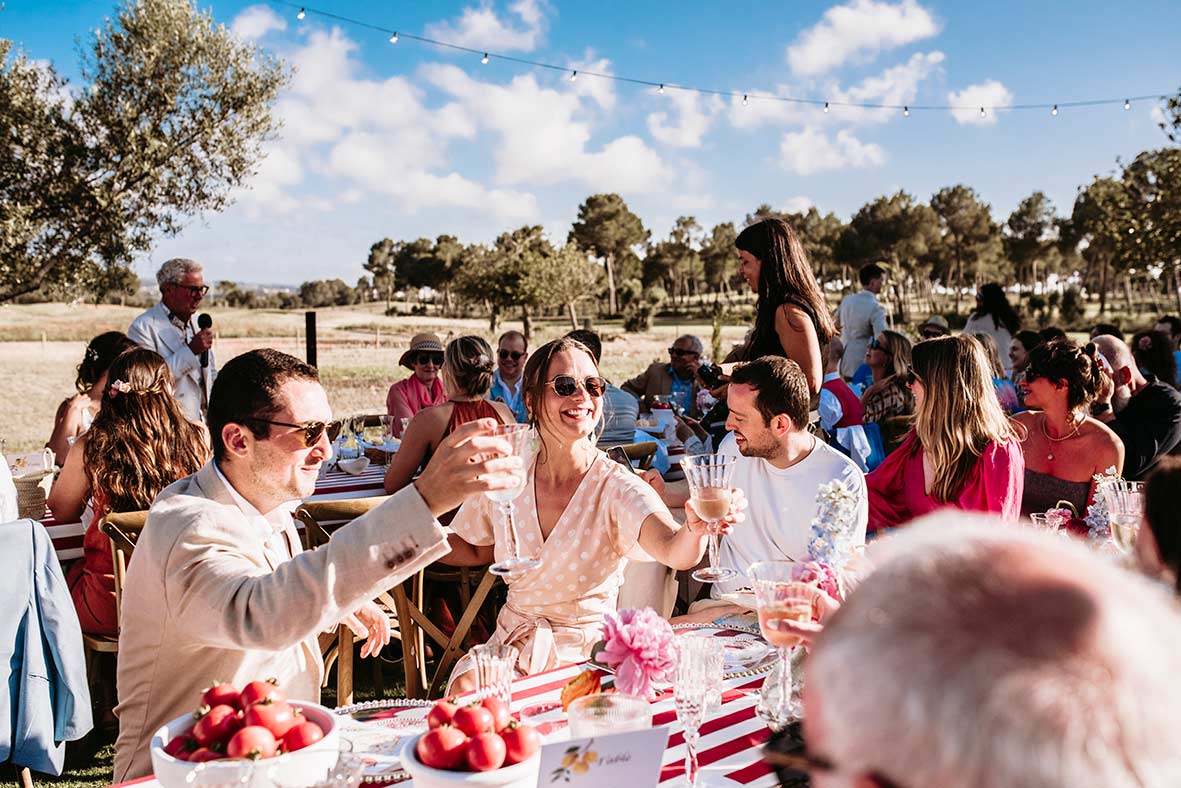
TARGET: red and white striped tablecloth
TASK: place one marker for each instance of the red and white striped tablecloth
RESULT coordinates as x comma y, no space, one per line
67,537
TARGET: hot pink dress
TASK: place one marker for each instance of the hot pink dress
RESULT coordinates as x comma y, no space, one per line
897,494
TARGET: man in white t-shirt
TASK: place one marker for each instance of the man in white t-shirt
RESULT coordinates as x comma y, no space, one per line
780,465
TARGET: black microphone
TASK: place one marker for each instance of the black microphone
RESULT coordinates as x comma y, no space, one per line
204,321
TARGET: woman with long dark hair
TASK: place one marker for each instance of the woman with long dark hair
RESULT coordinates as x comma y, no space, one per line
1158,545
962,452
139,443
993,316
75,414
792,318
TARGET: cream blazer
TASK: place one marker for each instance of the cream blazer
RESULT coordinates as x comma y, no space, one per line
155,331
204,601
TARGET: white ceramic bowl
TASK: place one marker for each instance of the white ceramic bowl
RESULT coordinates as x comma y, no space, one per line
174,773
519,775
354,466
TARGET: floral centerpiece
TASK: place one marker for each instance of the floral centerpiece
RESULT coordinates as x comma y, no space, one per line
1095,525
831,545
638,646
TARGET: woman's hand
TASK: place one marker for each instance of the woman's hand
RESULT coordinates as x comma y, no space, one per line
823,606
735,515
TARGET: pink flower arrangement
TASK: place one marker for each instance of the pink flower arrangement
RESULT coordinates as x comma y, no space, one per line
638,646
823,577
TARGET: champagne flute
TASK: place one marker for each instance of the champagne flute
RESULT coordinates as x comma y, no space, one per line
1125,511
782,594
709,478
699,663
520,437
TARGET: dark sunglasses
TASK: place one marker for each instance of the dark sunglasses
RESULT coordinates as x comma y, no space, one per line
874,344
194,290
910,378
515,355
566,385
676,351
429,358
801,760
311,430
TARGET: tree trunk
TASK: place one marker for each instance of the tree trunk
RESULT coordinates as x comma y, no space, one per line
573,315
1103,287
1177,288
959,277
1128,296
493,319
527,325
611,303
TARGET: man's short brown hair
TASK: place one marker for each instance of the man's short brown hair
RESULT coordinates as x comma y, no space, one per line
781,388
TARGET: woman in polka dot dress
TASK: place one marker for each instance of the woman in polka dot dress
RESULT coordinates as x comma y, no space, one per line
582,513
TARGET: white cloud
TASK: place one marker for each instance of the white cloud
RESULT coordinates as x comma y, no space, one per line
255,22
267,192
988,94
858,30
600,90
798,204
481,28
1157,114
810,151
695,114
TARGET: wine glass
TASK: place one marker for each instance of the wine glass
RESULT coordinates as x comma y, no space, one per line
1125,511
782,593
520,438
699,663
709,478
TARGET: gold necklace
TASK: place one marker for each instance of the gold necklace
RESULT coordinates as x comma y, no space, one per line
1049,437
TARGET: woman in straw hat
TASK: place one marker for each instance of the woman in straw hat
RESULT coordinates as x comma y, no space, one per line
424,388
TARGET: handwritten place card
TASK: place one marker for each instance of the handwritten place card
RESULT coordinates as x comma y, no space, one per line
631,758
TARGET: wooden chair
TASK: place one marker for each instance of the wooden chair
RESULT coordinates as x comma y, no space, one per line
642,452
320,519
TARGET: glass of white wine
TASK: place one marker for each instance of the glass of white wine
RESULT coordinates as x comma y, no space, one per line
709,477
783,595
1125,511
520,437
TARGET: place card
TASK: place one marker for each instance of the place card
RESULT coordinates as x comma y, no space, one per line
631,758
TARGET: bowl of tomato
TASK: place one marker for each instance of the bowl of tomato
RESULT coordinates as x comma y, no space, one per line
249,738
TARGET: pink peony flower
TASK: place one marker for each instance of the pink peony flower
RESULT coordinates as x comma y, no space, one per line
823,577
638,646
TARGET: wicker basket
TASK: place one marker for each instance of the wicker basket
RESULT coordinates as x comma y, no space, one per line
32,488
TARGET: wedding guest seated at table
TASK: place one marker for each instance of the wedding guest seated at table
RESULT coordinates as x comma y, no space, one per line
962,450
1142,411
139,443
76,413
584,515
511,352
677,377
467,377
1022,345
1153,351
1158,543
423,388
219,587
889,400
979,656
840,409
1063,446
1006,392
1170,326
779,466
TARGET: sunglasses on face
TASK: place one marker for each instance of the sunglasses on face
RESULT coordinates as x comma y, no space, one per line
515,355
676,351
566,385
874,344
310,431
429,358
196,291
910,378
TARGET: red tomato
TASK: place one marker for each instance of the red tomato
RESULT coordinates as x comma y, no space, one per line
216,725
521,742
182,746
253,742
302,735
485,752
442,748
259,690
441,714
276,716
220,694
473,720
499,711
205,754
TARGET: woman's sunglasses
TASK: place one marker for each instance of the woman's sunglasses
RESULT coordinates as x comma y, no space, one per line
874,344
515,355
910,378
429,358
566,385
311,430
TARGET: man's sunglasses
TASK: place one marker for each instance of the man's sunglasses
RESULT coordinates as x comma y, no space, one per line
429,358
676,351
311,430
566,385
197,291
515,355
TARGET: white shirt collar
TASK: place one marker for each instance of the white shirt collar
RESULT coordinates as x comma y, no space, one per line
276,522
831,376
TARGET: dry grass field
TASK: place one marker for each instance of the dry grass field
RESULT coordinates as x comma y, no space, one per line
358,348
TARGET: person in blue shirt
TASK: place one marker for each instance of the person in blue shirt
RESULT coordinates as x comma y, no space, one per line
511,352
676,378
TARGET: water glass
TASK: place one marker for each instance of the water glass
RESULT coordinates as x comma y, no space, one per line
605,714
783,593
405,422
495,666
1125,511
699,664
1042,523
520,437
709,477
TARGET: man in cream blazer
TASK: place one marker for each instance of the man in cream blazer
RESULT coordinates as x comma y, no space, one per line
219,589
170,329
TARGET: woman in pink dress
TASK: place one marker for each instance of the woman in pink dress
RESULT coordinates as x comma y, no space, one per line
962,452
423,389
582,513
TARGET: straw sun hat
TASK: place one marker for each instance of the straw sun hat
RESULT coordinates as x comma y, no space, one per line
421,342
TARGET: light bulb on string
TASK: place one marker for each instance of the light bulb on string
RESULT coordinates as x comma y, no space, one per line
1054,111
906,112
302,13
826,108
1127,104
983,114
744,102
660,89
573,76
394,37
484,59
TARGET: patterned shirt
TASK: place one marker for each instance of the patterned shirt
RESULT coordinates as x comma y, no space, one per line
886,398
682,391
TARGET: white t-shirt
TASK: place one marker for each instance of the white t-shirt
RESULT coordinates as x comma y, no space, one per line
780,506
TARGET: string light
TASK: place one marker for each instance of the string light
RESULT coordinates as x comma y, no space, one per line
304,11
1054,111
660,89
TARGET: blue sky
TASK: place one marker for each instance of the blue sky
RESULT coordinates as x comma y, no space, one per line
406,140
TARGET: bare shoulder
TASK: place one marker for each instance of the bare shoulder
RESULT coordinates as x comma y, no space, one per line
1025,418
1099,434
795,318
506,414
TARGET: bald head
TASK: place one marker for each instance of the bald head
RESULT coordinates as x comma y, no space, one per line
1115,350
993,646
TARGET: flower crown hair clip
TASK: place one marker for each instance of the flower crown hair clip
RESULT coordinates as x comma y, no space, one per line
119,387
